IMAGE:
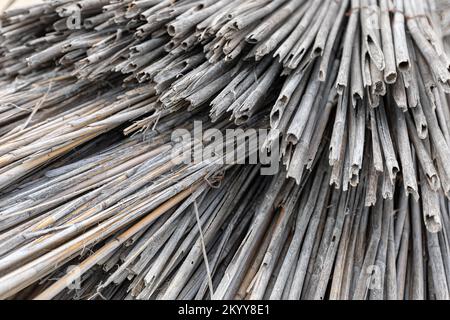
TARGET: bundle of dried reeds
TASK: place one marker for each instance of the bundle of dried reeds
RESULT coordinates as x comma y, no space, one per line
354,93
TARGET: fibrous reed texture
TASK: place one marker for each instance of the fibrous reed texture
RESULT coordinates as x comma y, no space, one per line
354,92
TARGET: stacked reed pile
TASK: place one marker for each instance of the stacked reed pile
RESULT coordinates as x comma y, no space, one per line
353,91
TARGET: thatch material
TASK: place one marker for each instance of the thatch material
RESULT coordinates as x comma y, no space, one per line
354,91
